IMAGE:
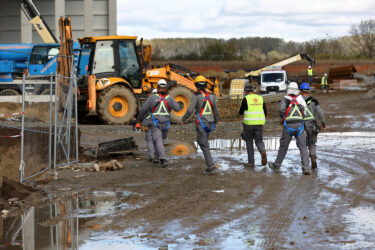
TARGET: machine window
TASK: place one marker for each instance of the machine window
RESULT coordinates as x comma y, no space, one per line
104,58
129,67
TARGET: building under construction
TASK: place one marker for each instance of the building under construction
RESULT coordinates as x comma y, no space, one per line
89,18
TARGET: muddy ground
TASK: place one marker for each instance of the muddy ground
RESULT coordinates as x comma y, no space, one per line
145,207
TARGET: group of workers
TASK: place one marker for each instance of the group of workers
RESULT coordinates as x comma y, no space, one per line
298,110
324,82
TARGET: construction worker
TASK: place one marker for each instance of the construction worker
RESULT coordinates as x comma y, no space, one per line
292,111
254,119
311,125
207,112
324,84
159,106
146,124
310,73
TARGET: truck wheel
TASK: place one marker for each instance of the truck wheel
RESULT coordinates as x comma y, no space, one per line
117,105
7,92
182,96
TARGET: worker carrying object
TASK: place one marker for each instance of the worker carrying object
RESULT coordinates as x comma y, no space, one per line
292,111
207,112
159,105
310,73
324,84
312,128
254,119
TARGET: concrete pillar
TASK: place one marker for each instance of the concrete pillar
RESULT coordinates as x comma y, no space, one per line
88,17
112,17
59,11
26,29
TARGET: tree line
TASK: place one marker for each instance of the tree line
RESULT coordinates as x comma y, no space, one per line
358,44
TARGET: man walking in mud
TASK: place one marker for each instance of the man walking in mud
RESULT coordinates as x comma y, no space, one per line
255,112
312,129
159,106
207,112
292,111
310,73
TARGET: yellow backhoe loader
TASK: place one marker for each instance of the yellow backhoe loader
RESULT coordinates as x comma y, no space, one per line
118,75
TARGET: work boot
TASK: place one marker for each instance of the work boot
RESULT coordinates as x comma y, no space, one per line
264,158
210,170
314,165
249,165
306,171
155,161
163,163
274,166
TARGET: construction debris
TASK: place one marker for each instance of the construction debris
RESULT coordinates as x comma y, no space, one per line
343,84
105,149
112,165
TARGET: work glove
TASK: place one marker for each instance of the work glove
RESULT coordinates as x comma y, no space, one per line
138,126
324,127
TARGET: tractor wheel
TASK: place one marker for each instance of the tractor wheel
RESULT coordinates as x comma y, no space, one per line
117,105
182,96
8,92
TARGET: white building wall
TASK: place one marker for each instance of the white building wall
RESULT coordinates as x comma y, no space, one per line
89,18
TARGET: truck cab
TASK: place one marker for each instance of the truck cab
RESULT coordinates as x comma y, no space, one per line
273,80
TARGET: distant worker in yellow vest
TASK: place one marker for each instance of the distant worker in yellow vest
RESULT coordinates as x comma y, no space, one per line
310,73
324,84
255,112
204,104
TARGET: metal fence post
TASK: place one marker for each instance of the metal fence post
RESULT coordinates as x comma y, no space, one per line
50,125
22,163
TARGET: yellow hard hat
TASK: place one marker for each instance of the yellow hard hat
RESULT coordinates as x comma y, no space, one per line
200,78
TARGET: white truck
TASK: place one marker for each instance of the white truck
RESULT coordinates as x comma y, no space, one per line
273,80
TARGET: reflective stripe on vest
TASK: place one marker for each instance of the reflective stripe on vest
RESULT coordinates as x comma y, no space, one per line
163,106
310,72
205,110
254,115
309,114
324,81
288,115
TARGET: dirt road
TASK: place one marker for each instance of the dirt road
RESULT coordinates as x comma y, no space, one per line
144,207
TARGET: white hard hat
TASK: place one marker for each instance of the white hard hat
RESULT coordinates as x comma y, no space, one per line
154,91
309,67
293,85
293,89
325,74
162,83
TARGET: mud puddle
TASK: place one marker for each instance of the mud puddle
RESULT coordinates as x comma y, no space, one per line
239,208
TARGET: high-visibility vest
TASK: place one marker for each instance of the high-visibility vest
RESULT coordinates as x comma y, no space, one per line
206,109
310,72
324,80
293,111
309,115
254,115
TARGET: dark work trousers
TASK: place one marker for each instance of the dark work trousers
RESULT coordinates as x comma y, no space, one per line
324,87
310,80
150,144
311,140
301,144
251,134
158,137
202,139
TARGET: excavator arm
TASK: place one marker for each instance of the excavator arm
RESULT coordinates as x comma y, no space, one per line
37,21
282,63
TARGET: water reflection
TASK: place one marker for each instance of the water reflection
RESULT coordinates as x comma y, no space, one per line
239,145
59,224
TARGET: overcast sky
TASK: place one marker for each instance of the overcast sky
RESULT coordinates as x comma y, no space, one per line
296,20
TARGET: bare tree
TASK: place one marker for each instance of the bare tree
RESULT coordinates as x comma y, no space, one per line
364,36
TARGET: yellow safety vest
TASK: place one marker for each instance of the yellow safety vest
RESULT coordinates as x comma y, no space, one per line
309,115
254,115
324,80
310,72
